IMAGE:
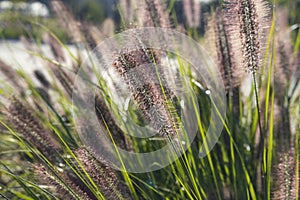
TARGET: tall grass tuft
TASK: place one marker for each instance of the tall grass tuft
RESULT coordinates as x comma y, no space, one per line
256,157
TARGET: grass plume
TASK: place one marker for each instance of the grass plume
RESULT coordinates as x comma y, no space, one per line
256,156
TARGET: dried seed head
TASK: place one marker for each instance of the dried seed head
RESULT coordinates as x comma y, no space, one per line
56,48
108,27
146,81
66,20
62,186
187,7
127,8
93,35
285,63
153,13
103,175
285,176
11,75
249,34
65,79
43,176
105,118
192,12
226,47
23,120
253,22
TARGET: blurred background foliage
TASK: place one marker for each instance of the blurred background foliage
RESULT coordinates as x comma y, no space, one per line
293,7
14,23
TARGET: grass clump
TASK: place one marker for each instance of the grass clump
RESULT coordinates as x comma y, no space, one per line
42,156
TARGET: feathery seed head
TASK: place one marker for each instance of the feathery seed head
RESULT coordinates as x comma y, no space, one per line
253,22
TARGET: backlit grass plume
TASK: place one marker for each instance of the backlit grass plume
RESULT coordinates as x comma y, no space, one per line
29,126
106,119
153,14
253,22
127,8
285,176
59,184
67,20
10,76
104,176
139,68
192,13
226,48
285,166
